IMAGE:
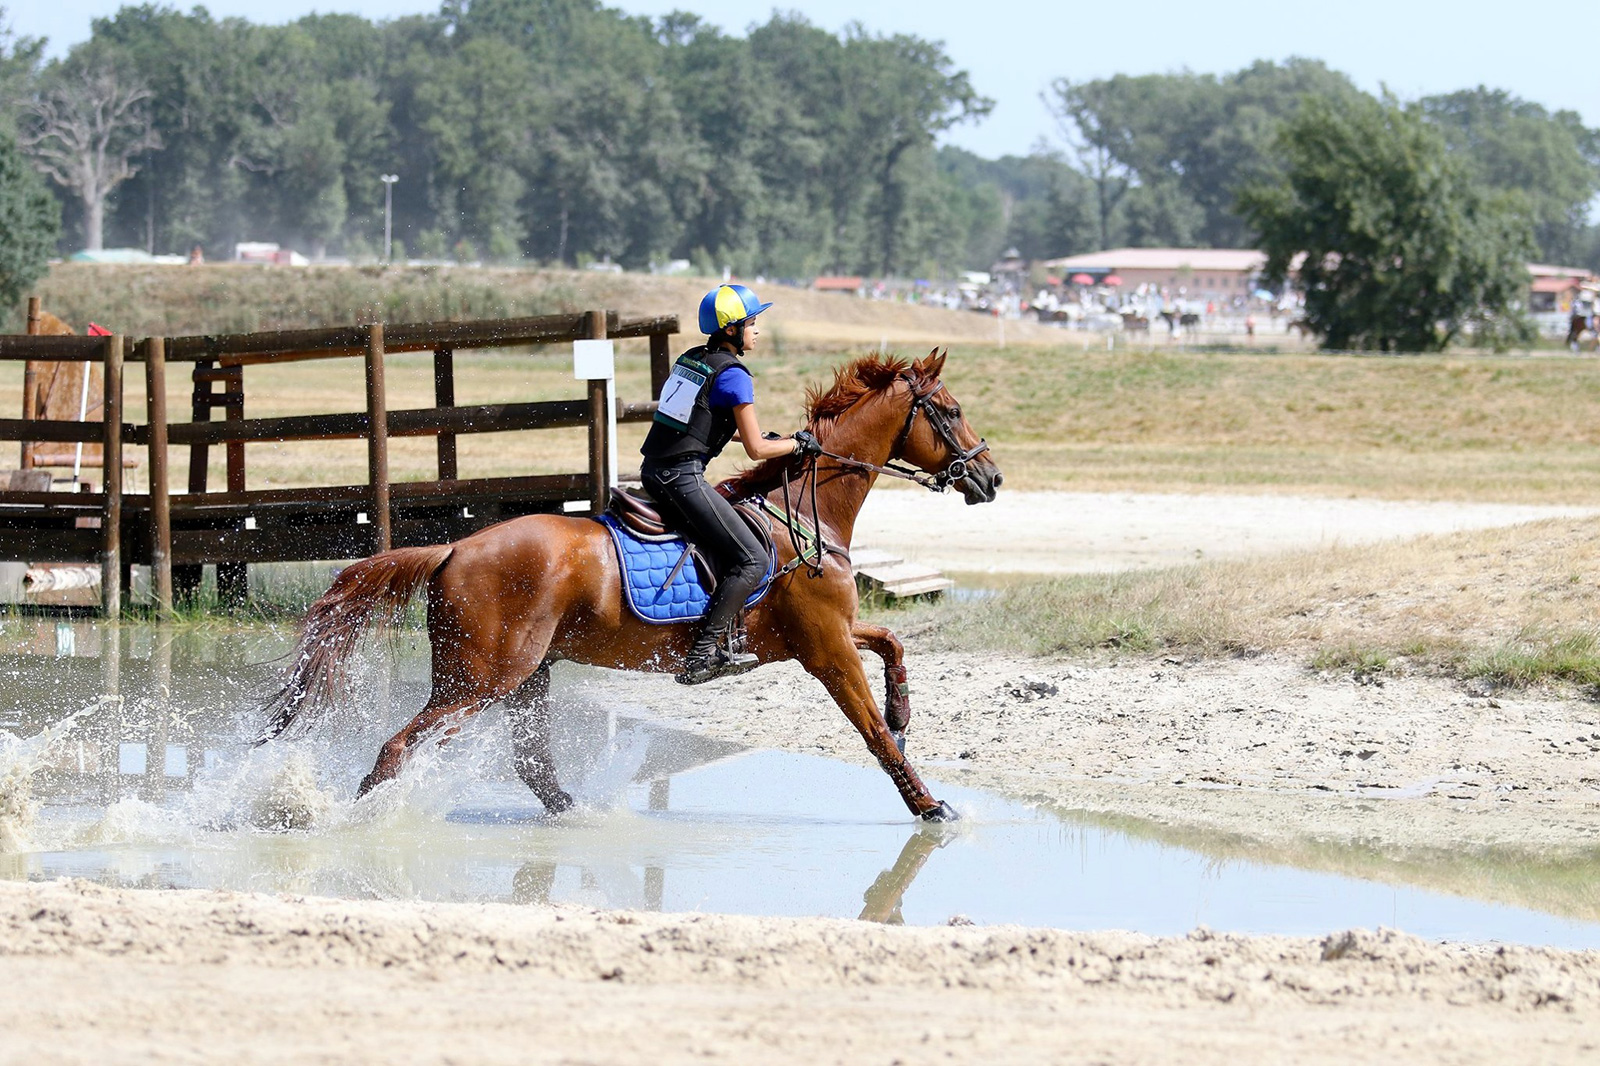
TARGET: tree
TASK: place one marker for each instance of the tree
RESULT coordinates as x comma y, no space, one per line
1395,247
29,222
19,63
1551,161
84,132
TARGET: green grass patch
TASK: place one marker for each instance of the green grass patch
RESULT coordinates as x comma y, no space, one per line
1538,657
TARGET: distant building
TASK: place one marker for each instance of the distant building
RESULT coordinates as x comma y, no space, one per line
1203,273
1556,288
838,283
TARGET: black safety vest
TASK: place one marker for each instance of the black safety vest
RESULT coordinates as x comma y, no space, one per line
706,430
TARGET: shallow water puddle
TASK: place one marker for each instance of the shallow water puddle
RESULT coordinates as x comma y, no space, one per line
136,793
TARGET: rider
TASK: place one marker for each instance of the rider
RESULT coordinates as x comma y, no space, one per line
708,400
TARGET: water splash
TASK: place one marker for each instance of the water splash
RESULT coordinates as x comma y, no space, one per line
20,759
293,798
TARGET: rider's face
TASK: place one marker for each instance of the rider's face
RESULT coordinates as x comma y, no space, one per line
751,332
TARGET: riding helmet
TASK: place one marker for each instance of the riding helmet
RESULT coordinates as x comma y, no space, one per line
726,305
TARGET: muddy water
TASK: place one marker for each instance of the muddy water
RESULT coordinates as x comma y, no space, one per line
126,762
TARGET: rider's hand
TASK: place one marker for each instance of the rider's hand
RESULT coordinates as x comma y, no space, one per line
805,443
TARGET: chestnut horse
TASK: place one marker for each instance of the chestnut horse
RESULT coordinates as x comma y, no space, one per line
510,599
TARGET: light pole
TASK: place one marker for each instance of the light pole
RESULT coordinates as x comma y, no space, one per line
388,211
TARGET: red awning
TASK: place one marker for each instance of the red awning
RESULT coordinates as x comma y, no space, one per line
1112,279
1082,279
1555,284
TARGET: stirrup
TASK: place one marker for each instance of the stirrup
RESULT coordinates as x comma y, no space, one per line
725,658
720,663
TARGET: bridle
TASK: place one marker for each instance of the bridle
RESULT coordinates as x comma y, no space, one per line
954,471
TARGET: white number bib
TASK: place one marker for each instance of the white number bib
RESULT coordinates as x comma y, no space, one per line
679,393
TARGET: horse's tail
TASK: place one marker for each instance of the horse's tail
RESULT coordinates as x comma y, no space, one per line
372,592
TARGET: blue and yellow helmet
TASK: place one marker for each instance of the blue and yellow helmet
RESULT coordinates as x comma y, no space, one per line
727,304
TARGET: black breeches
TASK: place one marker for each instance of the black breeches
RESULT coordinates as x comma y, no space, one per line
692,506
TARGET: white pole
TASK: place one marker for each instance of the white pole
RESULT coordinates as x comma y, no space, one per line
388,213
83,413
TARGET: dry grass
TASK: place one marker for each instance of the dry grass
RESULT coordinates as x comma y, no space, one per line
1060,415
1516,605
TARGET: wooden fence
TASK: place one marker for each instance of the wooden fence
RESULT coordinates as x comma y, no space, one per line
175,534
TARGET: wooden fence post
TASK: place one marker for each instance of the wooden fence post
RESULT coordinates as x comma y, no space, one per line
660,363
111,516
444,395
30,376
155,385
378,438
594,328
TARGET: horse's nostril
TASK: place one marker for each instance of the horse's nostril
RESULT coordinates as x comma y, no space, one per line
999,479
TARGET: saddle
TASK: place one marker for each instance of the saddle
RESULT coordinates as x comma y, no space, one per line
658,579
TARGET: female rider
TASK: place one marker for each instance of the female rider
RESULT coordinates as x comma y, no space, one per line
708,400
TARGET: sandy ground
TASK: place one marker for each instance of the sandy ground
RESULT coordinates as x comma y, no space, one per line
100,975
1077,532
1414,779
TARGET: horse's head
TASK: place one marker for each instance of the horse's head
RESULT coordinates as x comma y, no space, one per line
939,440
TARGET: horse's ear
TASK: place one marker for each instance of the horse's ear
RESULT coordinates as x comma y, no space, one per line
931,367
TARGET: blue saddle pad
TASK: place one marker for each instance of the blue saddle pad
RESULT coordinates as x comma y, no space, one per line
646,565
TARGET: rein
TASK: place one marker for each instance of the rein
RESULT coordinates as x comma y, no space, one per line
804,540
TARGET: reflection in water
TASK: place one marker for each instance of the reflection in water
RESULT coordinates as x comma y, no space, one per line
884,897
154,785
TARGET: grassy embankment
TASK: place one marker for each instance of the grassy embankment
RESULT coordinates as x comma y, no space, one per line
1515,605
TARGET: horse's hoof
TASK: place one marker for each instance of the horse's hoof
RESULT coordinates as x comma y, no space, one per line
899,736
560,803
942,813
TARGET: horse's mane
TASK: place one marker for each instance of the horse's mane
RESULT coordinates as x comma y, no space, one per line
870,375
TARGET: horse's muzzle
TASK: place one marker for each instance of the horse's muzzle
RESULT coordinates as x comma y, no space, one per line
981,482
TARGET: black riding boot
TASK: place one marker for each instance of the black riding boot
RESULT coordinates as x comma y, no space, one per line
718,651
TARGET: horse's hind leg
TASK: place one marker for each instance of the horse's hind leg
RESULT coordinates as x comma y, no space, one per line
528,711
896,693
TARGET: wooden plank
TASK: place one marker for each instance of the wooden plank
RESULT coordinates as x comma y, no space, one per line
465,493
636,412
111,473
90,502
444,395
50,545
417,422
155,378
67,349
377,438
242,349
489,418
51,429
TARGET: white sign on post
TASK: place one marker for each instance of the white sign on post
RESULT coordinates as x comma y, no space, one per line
594,359
598,359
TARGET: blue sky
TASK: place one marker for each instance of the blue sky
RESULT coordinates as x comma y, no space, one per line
1014,49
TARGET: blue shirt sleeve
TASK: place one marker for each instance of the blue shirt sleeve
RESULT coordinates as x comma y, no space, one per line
733,386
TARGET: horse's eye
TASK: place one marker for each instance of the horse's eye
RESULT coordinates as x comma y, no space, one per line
955,412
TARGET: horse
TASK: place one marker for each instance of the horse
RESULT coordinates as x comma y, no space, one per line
507,601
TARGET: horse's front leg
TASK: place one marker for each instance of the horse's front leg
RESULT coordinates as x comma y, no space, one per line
528,711
437,720
838,666
896,693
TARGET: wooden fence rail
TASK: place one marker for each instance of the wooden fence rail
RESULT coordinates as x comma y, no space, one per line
176,533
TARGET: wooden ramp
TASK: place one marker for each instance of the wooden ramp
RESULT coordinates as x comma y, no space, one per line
888,575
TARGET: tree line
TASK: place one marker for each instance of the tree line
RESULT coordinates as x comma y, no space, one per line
565,131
